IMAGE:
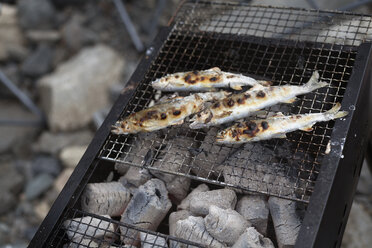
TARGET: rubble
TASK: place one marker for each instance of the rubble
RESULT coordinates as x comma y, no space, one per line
223,198
45,164
66,94
105,198
38,186
37,14
39,62
254,208
71,155
225,225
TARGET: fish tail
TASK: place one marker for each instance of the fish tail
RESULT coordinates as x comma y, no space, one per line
314,82
336,113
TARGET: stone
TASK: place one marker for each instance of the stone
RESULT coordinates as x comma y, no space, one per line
185,204
38,186
41,209
365,180
62,179
254,208
39,36
10,179
45,164
147,209
223,198
252,239
37,14
105,198
53,143
71,155
193,229
11,39
286,221
225,225
75,35
149,241
8,201
39,62
358,228
66,94
14,136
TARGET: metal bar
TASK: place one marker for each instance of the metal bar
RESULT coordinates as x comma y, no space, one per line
20,123
151,27
129,25
21,96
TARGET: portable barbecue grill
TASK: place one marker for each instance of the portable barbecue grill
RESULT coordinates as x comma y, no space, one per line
318,168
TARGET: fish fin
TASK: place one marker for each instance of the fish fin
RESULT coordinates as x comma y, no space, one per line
265,83
280,136
307,129
314,82
335,111
236,87
272,115
180,122
292,100
256,87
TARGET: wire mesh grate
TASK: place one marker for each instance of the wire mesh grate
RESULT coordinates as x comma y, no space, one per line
254,41
81,229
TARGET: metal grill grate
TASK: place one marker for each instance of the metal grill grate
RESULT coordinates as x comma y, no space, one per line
267,42
99,231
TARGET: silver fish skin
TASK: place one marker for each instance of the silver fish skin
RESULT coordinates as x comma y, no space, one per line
276,126
241,105
206,80
167,113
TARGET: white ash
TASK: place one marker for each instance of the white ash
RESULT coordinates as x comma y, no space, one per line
223,198
140,153
89,227
185,204
174,217
137,176
225,225
146,209
209,156
132,189
193,229
105,198
149,241
252,239
286,219
178,188
255,209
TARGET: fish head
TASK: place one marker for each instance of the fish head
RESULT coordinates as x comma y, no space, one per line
167,83
121,127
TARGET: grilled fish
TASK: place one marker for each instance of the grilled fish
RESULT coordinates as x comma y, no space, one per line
275,126
166,113
241,105
204,81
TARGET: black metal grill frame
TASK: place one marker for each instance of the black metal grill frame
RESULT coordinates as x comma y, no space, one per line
332,196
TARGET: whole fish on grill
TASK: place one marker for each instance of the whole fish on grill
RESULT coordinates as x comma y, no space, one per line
204,81
166,113
241,105
275,126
